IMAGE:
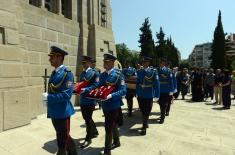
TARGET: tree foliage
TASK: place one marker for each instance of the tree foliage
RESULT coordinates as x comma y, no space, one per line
146,41
124,55
165,48
218,55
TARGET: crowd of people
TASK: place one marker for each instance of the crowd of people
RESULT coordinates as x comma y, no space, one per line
144,82
206,84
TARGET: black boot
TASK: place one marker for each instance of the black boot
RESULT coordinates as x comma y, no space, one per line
61,152
87,141
106,152
95,132
145,125
72,149
116,139
108,143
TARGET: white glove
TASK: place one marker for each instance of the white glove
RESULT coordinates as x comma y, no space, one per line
83,90
175,90
44,98
171,93
109,97
155,99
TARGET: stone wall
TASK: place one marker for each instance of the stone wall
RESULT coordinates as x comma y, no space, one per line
29,33
26,34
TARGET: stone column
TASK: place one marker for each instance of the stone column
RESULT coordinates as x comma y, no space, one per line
42,4
59,7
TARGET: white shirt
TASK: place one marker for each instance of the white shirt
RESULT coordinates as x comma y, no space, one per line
109,71
146,69
58,68
88,69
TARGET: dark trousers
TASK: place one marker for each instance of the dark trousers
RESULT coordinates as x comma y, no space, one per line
168,107
226,92
145,107
62,128
129,98
209,91
111,130
87,111
163,102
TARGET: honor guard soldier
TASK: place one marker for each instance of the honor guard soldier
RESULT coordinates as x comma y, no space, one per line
112,104
88,105
59,107
166,87
129,72
93,65
168,108
147,89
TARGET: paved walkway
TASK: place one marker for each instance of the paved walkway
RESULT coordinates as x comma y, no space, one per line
191,129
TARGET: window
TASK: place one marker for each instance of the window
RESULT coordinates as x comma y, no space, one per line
103,12
2,35
36,3
67,8
50,5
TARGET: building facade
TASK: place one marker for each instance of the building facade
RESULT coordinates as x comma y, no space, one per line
200,56
27,30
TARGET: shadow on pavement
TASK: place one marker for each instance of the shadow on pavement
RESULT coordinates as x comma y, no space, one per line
50,146
218,108
90,151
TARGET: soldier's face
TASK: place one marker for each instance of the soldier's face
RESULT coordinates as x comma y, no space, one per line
86,64
108,64
55,60
146,64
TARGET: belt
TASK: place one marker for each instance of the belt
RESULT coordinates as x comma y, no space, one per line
146,86
164,82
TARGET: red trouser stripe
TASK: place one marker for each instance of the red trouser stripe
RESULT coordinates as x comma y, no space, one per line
67,132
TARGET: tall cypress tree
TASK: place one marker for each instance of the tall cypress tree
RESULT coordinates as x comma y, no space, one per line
218,46
161,44
146,40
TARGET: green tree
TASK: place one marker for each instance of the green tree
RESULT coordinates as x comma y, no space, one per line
218,46
166,49
146,41
124,55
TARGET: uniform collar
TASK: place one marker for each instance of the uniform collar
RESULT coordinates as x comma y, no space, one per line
109,71
88,69
146,69
58,68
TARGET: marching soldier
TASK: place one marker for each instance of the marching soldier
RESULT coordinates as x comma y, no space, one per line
166,88
112,104
59,107
88,105
93,65
168,108
147,88
129,72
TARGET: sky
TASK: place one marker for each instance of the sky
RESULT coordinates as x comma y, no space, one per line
188,22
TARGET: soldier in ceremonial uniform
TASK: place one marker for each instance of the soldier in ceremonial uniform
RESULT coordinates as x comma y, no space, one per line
88,105
168,108
112,104
93,65
147,89
166,88
128,72
59,107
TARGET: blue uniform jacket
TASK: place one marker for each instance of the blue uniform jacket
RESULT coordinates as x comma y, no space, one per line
147,85
60,89
130,71
174,82
114,78
166,80
93,77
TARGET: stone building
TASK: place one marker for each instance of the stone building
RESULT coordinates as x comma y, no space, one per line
27,30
